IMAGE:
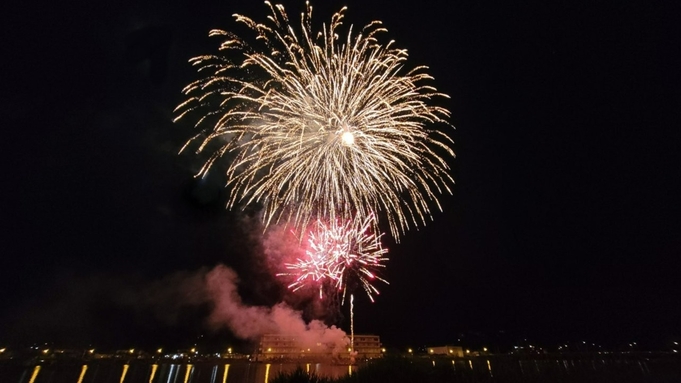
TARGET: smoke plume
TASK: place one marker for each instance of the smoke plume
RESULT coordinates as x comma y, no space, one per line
251,322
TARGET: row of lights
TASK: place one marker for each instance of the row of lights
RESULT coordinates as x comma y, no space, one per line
451,351
229,350
131,351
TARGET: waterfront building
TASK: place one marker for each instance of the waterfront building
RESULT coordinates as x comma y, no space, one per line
278,346
451,351
368,346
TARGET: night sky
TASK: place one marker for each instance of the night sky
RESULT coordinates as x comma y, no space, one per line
563,226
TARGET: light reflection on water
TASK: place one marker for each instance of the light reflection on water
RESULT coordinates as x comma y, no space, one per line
112,371
36,370
125,371
190,369
224,377
153,372
82,373
267,372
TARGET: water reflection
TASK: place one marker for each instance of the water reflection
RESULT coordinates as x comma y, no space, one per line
173,373
190,369
82,373
110,371
224,377
125,371
153,372
36,370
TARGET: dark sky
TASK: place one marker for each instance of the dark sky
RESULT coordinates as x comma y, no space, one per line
564,223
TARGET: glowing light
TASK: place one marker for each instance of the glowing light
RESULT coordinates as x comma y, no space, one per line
348,138
154,367
410,351
267,373
319,126
484,349
160,350
352,324
82,373
190,368
2,350
125,371
224,376
229,350
36,370
45,351
338,253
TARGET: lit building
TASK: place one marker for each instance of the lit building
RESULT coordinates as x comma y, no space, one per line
368,346
277,346
453,351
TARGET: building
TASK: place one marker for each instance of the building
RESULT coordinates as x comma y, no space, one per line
368,346
277,346
452,351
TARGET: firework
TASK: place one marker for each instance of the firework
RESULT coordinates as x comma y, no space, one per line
339,254
319,126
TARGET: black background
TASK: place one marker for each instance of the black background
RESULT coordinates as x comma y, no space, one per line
564,223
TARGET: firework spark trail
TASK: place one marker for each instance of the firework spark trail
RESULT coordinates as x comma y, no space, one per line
339,254
319,126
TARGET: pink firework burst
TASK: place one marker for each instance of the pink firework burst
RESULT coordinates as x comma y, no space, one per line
339,254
